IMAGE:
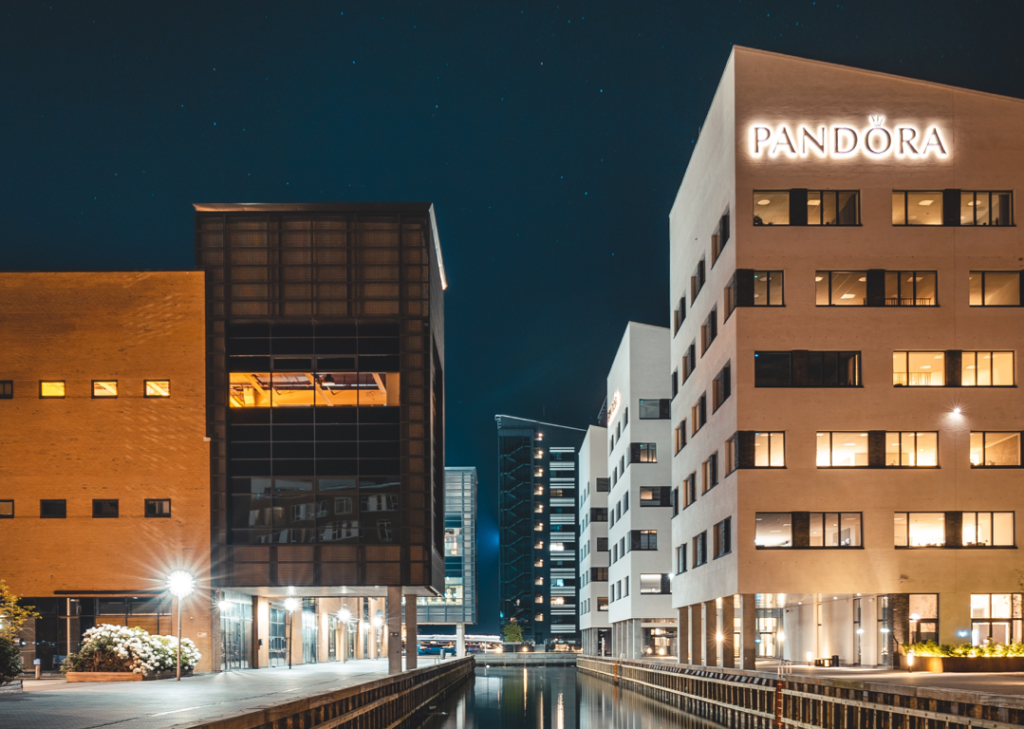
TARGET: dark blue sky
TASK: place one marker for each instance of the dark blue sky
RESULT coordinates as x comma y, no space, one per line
552,139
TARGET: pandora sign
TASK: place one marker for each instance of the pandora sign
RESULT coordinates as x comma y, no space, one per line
840,141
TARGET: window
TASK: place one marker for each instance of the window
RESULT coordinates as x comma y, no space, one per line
924,618
602,604
708,331
834,529
655,584
841,288
771,207
709,473
917,208
911,288
699,413
919,529
690,489
51,388
104,388
801,368
625,502
679,315
655,496
833,207
773,530
769,450
995,450
625,416
996,618
598,574
729,299
6,389
721,387
645,540
53,509
842,450
723,537
912,450
643,452
986,369
732,454
773,369
700,549
680,435
697,281
987,529
598,514
995,288
602,485
675,383
104,509
680,559
768,288
162,388
655,409
161,509
986,208
918,369
602,544
689,360
720,238
6,508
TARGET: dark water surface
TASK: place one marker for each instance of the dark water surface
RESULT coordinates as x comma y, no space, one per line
554,698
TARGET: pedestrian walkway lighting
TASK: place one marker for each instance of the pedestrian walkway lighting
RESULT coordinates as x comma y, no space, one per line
291,604
345,615
181,584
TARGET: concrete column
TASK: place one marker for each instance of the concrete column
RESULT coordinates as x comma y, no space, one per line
696,634
639,649
954,616
411,634
727,628
683,635
294,628
711,633
460,640
748,632
393,628
899,607
260,632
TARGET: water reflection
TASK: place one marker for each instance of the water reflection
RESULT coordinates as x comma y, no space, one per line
554,698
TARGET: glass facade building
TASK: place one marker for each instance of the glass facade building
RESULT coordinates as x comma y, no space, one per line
458,604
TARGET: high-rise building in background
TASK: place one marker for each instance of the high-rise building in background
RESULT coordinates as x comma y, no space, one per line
458,605
595,635
846,289
538,530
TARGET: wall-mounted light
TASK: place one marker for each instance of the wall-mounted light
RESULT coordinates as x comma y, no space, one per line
956,411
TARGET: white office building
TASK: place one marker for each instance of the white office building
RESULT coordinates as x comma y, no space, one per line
593,519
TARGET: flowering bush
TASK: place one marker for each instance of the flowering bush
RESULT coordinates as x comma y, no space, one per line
966,650
118,649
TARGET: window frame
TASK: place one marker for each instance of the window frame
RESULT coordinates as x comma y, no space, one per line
64,387
984,434
908,545
913,298
831,449
62,502
906,358
96,508
94,396
782,285
989,193
1013,530
899,434
7,516
769,434
992,355
147,515
906,208
983,305
6,389
831,304
145,388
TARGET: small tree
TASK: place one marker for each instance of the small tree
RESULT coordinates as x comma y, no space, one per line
513,633
12,615
10,661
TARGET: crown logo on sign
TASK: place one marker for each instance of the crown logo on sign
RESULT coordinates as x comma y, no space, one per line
876,120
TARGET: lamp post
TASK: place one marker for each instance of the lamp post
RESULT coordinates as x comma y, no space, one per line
181,584
291,604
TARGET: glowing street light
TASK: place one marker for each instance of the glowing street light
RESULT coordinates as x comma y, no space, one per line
291,604
181,584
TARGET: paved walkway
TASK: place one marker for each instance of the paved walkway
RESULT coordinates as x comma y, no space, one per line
56,704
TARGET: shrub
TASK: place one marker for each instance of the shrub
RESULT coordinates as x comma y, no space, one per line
966,650
118,649
10,660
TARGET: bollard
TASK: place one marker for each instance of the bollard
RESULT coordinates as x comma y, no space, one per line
39,672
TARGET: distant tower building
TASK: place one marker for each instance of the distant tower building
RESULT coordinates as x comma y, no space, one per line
539,565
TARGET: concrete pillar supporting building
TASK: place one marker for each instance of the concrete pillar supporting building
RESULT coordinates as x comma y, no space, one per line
393,629
727,629
460,640
696,634
683,635
748,632
710,636
412,643
637,631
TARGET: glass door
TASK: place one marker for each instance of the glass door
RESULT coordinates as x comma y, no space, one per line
278,638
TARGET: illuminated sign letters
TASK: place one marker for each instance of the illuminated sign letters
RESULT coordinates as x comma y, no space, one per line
840,141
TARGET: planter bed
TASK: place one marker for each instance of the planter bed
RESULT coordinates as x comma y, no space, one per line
103,677
14,687
956,664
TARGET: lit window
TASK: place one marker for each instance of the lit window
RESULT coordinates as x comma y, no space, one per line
557,547
6,508
842,450
654,584
51,388
558,601
988,529
768,288
911,288
833,207
104,388
994,288
918,369
986,208
539,617
986,369
995,618
919,529
841,288
158,388
917,208
833,529
158,508
995,450
771,207
538,526
912,450
773,529
769,450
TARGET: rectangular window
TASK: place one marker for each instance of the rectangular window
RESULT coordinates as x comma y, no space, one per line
723,537
769,449
104,509
833,207
773,369
602,544
709,473
986,208
834,529
602,486
911,450
986,369
680,559
655,496
700,549
729,299
918,369
699,413
917,208
721,387
689,360
768,288
655,584
679,315
51,388
919,529
842,449
680,435
643,452
911,288
6,508
597,514
991,449
807,369
675,383
690,490
708,331
996,618
159,388
6,389
655,409
104,388
994,288
731,453
697,281
643,540
602,604
53,509
158,508
771,207
841,288
720,238
988,529
773,530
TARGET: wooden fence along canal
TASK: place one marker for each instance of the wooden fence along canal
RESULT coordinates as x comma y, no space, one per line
394,702
758,700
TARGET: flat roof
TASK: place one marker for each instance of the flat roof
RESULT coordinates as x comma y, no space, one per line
335,207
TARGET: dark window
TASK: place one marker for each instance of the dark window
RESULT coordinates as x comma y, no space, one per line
655,496
801,368
598,574
690,490
773,369
602,486
709,473
655,409
6,389
723,537
679,315
644,540
689,361
680,559
720,238
709,331
6,508
53,509
675,383
598,514
675,501
995,288
697,281
699,413
721,388
602,544
911,288
104,509
643,452
158,508
700,549
680,435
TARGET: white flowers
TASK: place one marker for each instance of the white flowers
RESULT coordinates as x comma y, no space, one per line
137,650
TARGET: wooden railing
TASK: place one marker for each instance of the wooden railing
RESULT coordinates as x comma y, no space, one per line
761,700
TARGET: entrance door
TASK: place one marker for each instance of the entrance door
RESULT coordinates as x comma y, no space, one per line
278,638
858,632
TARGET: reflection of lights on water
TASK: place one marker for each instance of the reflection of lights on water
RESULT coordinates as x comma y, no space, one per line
560,715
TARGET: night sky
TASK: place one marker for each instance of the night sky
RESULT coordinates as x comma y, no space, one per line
551,138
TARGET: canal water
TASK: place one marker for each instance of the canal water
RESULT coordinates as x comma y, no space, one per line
554,697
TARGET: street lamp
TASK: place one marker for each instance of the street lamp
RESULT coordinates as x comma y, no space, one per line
181,584
291,604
